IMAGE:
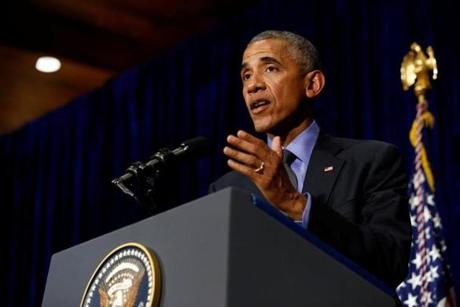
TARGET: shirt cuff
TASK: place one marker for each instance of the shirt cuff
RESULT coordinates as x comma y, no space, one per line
306,213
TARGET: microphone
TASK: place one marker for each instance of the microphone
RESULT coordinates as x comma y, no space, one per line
192,148
189,149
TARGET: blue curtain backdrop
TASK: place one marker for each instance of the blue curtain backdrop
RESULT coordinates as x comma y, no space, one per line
55,178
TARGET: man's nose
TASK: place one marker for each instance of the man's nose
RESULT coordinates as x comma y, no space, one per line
256,84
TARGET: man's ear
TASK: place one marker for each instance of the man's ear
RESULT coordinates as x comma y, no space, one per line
314,82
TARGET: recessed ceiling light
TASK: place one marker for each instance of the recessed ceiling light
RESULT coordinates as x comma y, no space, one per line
47,64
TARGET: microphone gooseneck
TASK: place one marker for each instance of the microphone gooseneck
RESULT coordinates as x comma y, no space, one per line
139,180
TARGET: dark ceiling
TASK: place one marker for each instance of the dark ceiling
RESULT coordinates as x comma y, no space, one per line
94,40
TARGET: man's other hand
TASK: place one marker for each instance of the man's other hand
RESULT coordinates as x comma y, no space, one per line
252,157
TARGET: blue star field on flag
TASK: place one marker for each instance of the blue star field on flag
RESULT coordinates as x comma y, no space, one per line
429,282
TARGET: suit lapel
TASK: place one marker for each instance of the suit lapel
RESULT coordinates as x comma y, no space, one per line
323,169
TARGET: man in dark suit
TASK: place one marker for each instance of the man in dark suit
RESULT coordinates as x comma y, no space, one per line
350,193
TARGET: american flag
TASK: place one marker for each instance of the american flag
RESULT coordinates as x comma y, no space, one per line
429,282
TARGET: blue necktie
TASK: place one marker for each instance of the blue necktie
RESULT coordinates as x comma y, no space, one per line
288,159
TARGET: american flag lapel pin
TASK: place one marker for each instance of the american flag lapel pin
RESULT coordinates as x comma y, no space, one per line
328,169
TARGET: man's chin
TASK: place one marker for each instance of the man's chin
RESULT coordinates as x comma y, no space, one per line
262,127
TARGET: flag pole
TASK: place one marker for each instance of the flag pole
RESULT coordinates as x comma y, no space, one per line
429,282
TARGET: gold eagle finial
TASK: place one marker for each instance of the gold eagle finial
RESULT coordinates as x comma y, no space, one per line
415,68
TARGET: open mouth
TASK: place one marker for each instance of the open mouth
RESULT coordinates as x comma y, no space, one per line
259,105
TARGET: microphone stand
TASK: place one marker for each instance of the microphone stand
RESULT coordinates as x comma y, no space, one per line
145,181
142,181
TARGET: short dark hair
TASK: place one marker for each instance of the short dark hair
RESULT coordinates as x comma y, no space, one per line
303,51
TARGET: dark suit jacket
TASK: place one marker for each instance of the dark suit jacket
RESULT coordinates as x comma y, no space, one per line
360,207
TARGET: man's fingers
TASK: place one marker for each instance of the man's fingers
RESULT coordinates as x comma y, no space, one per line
242,157
243,145
241,168
250,138
249,144
276,146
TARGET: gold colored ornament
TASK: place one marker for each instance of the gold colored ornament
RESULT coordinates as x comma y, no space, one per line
260,169
415,69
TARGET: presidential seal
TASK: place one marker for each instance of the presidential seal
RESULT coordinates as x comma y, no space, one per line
129,276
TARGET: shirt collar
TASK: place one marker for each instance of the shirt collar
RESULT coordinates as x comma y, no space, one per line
302,145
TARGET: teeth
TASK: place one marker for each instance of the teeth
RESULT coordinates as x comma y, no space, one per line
259,103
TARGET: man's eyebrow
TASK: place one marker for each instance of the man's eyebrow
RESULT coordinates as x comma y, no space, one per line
269,59
243,66
264,60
